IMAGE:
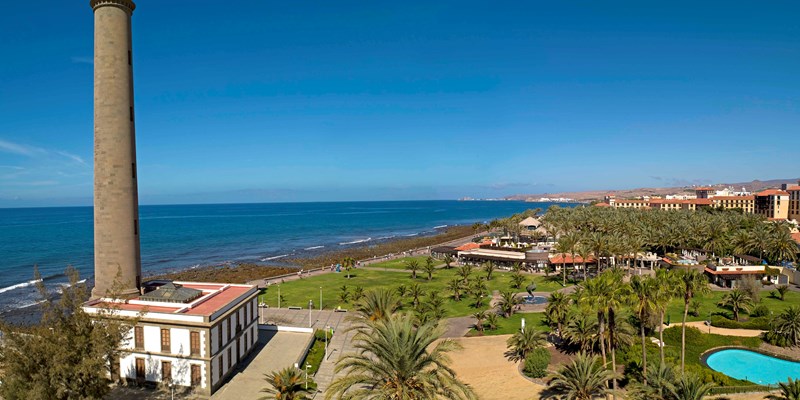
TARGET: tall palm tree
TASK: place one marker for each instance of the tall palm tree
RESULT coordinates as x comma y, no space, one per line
737,300
690,387
785,328
396,360
566,245
508,301
582,379
523,342
413,266
782,246
759,239
429,267
789,391
583,251
557,310
488,267
665,286
692,284
643,290
657,384
286,384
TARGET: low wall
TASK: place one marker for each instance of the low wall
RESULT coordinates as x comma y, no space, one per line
280,328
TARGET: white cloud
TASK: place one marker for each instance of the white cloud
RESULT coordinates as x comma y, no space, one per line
72,157
82,60
21,149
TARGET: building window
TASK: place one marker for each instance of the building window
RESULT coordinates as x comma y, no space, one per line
140,369
194,343
195,375
166,371
138,337
165,342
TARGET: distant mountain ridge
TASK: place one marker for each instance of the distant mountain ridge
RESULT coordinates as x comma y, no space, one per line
590,195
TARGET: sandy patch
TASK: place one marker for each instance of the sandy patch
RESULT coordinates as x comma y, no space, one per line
481,364
701,325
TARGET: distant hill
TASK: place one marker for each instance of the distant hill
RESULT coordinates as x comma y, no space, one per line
754,186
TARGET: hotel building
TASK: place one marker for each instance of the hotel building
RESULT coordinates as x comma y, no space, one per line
794,202
188,334
772,204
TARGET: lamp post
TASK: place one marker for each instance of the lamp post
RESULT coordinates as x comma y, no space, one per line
320,298
310,306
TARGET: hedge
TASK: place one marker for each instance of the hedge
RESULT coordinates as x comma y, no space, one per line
761,323
536,363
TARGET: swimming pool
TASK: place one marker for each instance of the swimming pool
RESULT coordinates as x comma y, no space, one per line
752,366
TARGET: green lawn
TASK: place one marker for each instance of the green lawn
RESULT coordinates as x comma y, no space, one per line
400,263
508,326
708,306
299,292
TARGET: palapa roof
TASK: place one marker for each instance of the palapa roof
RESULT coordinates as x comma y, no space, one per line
530,221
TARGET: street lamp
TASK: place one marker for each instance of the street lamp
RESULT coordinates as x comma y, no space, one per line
310,306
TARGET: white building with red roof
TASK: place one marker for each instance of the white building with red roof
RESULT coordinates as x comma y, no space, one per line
188,333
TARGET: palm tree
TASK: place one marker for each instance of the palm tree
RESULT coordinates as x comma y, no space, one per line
581,331
413,266
448,259
785,328
557,310
690,387
781,245
508,300
643,291
492,321
479,290
402,290
358,293
518,280
286,384
348,263
566,245
582,379
692,284
665,287
396,360
488,267
759,239
416,291
657,384
377,304
737,300
429,267
479,316
344,294
465,271
789,391
583,251
782,290
455,286
523,342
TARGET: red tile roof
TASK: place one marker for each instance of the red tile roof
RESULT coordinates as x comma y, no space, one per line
557,259
773,192
468,246
793,189
704,188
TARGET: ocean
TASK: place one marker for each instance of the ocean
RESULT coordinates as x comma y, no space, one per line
185,236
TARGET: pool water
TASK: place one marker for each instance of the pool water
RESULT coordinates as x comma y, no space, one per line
534,300
754,367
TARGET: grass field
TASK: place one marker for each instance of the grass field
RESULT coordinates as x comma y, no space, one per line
508,326
400,263
299,292
708,306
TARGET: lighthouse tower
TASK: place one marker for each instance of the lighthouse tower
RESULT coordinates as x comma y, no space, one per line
117,261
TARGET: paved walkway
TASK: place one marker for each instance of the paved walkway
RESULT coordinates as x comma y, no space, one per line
340,343
277,350
701,325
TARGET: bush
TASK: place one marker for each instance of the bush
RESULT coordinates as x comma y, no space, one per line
709,375
536,363
761,323
759,311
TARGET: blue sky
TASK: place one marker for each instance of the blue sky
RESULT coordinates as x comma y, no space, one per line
353,100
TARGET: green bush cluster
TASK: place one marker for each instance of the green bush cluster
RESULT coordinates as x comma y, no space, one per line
709,375
536,363
759,311
762,323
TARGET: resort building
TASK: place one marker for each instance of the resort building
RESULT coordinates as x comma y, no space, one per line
745,203
188,334
772,204
703,192
794,202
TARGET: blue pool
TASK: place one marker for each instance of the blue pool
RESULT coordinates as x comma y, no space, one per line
754,367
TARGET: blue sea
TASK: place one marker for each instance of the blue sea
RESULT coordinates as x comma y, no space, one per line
186,236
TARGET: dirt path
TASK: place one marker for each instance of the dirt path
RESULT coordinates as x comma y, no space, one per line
701,325
481,364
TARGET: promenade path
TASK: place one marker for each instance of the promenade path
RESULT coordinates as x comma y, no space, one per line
701,325
275,351
340,343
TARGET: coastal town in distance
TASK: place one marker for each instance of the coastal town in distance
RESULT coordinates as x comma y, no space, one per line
335,201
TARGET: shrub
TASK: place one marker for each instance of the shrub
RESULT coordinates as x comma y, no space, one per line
759,311
536,363
762,323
